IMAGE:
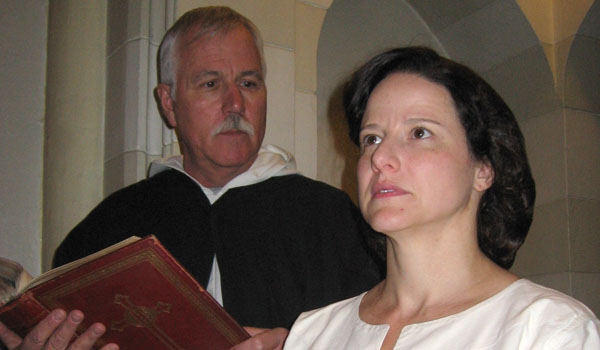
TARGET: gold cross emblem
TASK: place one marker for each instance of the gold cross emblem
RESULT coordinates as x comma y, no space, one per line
137,316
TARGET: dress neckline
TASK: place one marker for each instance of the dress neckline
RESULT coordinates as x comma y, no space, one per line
448,318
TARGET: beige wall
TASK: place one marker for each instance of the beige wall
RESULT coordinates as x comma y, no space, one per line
96,143
23,78
563,248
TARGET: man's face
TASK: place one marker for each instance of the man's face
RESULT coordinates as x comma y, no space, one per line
219,85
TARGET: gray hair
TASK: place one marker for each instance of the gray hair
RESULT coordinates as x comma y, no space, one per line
204,20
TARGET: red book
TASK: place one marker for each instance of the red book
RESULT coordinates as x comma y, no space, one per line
146,299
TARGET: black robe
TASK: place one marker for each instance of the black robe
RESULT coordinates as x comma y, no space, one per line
285,245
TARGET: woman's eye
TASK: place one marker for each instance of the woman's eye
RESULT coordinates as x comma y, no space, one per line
420,133
369,140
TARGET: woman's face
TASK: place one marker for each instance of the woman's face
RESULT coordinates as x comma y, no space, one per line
415,168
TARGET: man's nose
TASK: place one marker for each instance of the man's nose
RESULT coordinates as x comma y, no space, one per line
233,100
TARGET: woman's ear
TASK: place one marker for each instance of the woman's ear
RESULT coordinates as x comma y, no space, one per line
484,176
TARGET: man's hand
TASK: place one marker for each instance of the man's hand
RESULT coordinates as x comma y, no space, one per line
54,333
263,339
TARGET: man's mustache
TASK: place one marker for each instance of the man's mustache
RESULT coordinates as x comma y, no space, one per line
234,121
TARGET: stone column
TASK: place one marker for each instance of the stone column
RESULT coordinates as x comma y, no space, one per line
73,140
134,131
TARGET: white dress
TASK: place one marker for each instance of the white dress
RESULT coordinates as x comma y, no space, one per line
524,315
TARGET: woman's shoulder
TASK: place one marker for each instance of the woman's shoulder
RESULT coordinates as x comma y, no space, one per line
526,294
549,317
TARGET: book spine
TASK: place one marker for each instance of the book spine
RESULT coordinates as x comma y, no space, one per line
23,313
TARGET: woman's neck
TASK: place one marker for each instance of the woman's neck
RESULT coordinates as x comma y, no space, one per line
432,275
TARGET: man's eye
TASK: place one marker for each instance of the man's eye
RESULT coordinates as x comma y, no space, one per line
210,84
369,140
421,133
249,84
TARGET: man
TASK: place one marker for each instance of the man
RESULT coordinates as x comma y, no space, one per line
267,242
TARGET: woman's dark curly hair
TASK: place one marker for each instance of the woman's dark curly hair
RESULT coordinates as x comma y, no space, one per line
493,135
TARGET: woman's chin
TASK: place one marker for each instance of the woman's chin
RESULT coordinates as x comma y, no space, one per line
387,221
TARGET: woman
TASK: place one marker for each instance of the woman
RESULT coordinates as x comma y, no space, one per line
444,176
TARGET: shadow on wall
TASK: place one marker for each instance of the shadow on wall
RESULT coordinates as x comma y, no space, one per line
353,31
343,146
581,72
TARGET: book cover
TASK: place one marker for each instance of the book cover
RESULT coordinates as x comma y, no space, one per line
146,299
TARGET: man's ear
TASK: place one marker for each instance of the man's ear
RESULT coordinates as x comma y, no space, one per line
166,103
484,176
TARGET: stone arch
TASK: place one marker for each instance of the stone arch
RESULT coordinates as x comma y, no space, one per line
581,71
493,37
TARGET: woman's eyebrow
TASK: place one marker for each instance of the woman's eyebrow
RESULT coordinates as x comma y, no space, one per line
371,126
422,120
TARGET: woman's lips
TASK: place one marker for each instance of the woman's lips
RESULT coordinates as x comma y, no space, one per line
386,190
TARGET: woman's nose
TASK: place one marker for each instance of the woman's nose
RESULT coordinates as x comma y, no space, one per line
386,157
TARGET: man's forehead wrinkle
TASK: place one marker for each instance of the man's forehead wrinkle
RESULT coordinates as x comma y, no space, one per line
188,42
252,73
196,33
187,48
206,73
